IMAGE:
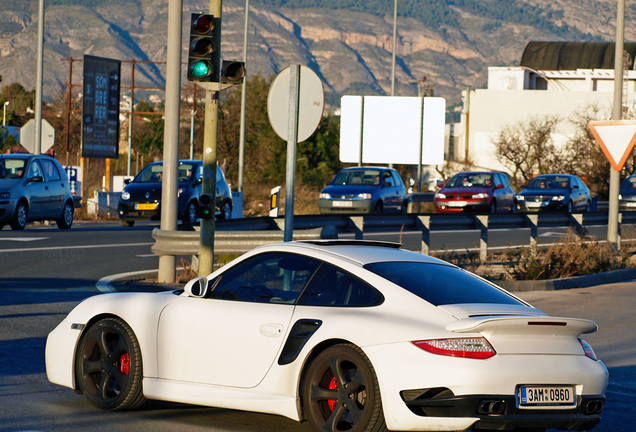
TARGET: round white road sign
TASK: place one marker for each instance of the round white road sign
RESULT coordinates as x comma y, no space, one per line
311,104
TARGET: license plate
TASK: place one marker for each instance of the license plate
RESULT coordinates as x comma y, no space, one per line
152,206
343,203
534,204
457,203
548,396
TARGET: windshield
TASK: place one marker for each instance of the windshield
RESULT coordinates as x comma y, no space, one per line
12,168
154,173
360,177
471,180
556,182
441,284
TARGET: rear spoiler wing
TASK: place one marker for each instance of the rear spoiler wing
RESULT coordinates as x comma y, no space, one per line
503,325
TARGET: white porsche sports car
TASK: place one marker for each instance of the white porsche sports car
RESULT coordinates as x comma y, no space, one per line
347,335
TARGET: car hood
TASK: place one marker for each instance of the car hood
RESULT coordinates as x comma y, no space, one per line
6,184
138,191
349,190
545,192
465,190
624,192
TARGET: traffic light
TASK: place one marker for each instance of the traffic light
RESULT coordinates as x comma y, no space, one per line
207,208
232,72
204,54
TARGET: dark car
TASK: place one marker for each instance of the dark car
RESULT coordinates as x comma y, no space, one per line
555,192
34,188
627,194
141,197
476,192
364,190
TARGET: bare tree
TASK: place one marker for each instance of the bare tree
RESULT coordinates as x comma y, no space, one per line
526,148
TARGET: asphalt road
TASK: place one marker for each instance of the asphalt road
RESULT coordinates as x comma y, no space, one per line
44,272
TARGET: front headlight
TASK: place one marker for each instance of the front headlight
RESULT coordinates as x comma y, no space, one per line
481,195
440,195
558,198
521,198
364,196
5,195
620,197
125,195
325,196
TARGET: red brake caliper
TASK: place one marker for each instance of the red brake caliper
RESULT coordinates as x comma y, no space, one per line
333,385
124,364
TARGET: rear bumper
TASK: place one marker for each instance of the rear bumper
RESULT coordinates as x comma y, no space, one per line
508,416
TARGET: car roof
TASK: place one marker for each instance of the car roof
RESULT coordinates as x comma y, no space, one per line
555,175
17,156
192,161
360,251
366,167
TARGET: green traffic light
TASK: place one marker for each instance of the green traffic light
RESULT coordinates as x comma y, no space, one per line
201,69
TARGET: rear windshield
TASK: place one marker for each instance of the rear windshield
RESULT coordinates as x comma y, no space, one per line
440,284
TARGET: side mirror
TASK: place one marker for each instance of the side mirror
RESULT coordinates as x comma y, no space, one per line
38,179
575,187
387,184
127,181
197,287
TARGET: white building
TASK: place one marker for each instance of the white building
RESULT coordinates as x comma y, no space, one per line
554,78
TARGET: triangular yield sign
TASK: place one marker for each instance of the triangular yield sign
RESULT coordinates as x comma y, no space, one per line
616,138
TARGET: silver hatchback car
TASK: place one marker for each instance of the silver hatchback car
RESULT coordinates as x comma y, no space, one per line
34,188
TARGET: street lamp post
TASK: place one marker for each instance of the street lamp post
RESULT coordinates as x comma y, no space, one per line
4,119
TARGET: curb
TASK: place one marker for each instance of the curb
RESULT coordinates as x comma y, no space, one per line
584,281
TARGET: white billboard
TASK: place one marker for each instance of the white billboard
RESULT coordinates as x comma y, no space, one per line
391,129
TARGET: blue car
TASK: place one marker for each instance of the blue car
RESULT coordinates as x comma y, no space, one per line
364,190
555,192
141,197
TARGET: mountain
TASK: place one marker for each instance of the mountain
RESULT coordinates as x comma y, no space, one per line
347,42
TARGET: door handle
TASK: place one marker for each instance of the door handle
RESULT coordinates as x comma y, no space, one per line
271,330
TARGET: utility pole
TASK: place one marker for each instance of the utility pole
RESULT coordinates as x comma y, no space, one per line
241,162
617,114
167,268
39,79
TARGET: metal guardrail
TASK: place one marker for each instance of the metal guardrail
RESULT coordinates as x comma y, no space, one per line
238,236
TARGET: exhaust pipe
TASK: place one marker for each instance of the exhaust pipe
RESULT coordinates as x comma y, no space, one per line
491,407
594,406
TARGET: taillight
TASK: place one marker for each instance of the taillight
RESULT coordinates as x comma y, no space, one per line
475,348
589,352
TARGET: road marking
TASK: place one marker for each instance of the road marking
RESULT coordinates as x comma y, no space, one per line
23,239
76,247
146,255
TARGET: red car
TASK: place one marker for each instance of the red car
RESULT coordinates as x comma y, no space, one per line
476,192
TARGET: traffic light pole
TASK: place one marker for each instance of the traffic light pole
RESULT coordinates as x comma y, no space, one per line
210,134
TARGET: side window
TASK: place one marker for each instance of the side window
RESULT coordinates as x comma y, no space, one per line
337,288
388,178
50,170
34,169
398,180
498,179
265,278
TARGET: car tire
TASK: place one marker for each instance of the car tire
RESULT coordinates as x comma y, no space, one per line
20,218
226,211
1,226
404,207
126,224
379,208
344,399
190,214
588,207
66,220
493,207
108,366
513,208
570,207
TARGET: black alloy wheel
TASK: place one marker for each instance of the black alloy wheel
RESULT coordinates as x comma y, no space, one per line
226,211
379,208
108,366
20,217
340,392
493,207
190,215
66,220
